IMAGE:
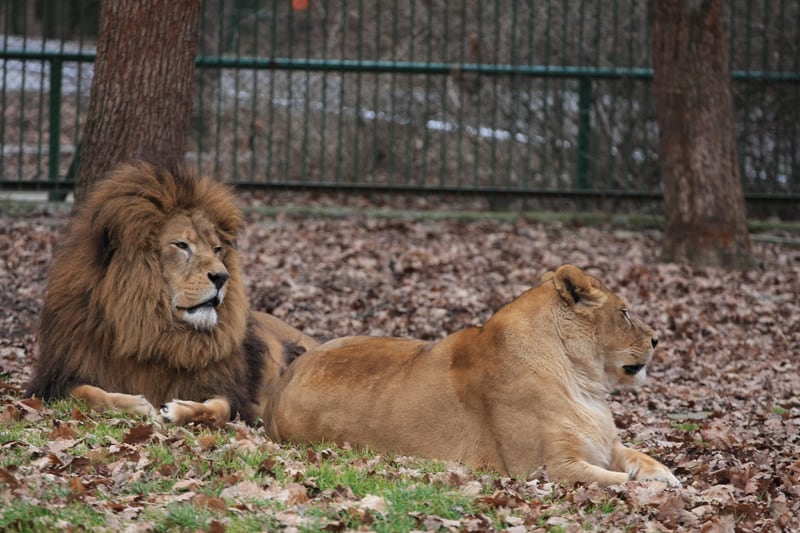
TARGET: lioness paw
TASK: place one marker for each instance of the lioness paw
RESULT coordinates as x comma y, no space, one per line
664,476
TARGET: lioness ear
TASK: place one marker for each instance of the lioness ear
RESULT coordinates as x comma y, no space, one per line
575,287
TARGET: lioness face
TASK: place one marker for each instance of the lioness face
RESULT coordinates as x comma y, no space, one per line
192,263
628,344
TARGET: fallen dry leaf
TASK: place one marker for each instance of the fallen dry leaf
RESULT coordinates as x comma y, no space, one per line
374,503
140,433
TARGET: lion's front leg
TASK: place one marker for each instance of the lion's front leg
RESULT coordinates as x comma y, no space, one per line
97,398
640,466
216,411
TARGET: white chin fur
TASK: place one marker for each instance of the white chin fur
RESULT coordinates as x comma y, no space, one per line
203,319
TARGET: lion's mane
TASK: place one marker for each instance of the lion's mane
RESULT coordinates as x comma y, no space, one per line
107,319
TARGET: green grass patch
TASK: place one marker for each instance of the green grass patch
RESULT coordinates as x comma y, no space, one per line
20,516
688,427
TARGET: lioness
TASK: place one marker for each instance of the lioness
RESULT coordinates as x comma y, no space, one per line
525,390
145,307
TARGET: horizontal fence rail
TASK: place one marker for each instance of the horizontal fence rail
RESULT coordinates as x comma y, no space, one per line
487,98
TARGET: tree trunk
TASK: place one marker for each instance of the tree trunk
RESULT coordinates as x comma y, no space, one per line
706,221
142,86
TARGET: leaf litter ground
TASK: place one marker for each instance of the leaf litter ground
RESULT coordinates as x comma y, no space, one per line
722,406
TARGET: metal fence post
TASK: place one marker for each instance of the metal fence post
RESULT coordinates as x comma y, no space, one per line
584,132
54,155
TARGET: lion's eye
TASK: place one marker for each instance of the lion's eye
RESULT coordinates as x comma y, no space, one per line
217,250
182,245
625,314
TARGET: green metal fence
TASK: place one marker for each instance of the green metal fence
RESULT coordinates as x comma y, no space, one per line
501,97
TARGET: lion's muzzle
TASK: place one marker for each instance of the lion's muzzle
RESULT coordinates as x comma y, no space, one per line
211,303
632,370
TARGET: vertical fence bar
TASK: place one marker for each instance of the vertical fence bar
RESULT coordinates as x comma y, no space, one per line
494,137
427,114
271,102
530,130
460,84
342,83
562,94
767,178
3,95
23,85
82,29
199,113
220,72
46,22
513,105
376,156
287,152
253,133
445,115
478,58
795,143
746,91
304,163
776,161
235,42
323,146
584,132
409,113
54,150
546,99
393,164
356,173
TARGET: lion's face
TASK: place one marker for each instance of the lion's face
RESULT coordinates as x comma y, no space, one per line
193,266
600,323
627,344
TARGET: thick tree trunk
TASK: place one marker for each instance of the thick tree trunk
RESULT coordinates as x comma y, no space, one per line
142,87
704,204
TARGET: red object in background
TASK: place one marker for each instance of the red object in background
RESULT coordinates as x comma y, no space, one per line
299,5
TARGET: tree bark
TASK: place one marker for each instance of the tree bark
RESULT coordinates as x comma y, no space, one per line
141,92
706,220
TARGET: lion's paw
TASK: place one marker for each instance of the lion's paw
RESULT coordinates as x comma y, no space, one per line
135,403
171,413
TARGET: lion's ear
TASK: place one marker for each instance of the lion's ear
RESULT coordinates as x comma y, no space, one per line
104,247
575,287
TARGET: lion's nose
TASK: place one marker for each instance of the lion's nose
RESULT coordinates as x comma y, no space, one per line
218,278
654,341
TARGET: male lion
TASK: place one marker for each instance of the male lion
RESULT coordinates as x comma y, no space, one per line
525,390
146,306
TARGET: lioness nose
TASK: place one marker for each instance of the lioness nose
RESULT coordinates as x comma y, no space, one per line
654,341
218,278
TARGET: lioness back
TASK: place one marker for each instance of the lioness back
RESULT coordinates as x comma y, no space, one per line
524,391
384,393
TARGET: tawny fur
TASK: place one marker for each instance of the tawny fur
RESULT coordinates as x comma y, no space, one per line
526,390
110,322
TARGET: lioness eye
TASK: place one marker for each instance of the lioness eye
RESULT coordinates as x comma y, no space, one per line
626,314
